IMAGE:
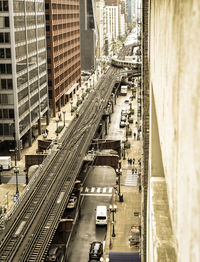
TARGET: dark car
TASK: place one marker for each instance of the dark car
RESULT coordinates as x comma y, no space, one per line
55,253
96,251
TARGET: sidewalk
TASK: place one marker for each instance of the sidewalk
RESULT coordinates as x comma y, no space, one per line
128,212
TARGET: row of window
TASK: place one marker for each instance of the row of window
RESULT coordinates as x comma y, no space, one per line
32,47
64,26
66,73
19,21
67,54
6,113
5,53
66,44
66,35
63,16
64,65
22,79
31,6
20,36
65,6
70,80
32,60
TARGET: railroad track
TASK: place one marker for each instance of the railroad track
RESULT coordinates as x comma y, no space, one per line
29,232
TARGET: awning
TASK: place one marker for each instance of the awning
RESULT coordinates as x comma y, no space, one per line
124,256
71,89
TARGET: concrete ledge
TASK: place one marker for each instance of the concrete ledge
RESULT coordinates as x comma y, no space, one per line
162,242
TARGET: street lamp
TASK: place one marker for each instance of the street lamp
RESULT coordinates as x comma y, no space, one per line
1,169
16,171
57,121
64,117
113,210
71,103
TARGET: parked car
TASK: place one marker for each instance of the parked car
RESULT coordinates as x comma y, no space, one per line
55,253
123,118
72,202
96,251
122,124
126,101
124,112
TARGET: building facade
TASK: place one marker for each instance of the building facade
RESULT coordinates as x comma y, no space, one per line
171,131
88,35
23,68
63,50
100,13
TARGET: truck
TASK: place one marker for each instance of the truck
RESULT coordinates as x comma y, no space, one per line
123,90
5,162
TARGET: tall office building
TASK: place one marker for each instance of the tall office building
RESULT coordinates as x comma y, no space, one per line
132,10
63,50
100,25
88,35
23,70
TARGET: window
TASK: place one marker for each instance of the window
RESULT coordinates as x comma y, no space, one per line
2,68
6,84
5,53
6,37
3,6
6,21
8,53
1,52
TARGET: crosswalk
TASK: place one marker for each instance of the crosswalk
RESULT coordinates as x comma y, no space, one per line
129,179
95,191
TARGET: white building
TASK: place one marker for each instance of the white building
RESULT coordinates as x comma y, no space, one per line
23,68
100,13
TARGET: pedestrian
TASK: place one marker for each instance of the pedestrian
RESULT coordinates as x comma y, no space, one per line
133,161
135,170
134,134
47,132
130,161
59,116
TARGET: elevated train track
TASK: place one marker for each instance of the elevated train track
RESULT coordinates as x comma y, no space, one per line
30,230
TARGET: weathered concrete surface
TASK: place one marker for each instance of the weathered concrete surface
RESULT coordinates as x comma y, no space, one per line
174,55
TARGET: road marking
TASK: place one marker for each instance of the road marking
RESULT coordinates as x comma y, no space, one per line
104,189
99,195
98,190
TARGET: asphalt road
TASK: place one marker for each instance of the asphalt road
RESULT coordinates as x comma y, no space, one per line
86,231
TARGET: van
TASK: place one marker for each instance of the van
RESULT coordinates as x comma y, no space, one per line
101,215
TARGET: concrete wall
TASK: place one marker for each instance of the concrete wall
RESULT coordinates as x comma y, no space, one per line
174,60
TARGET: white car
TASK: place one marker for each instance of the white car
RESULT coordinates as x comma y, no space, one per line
72,202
